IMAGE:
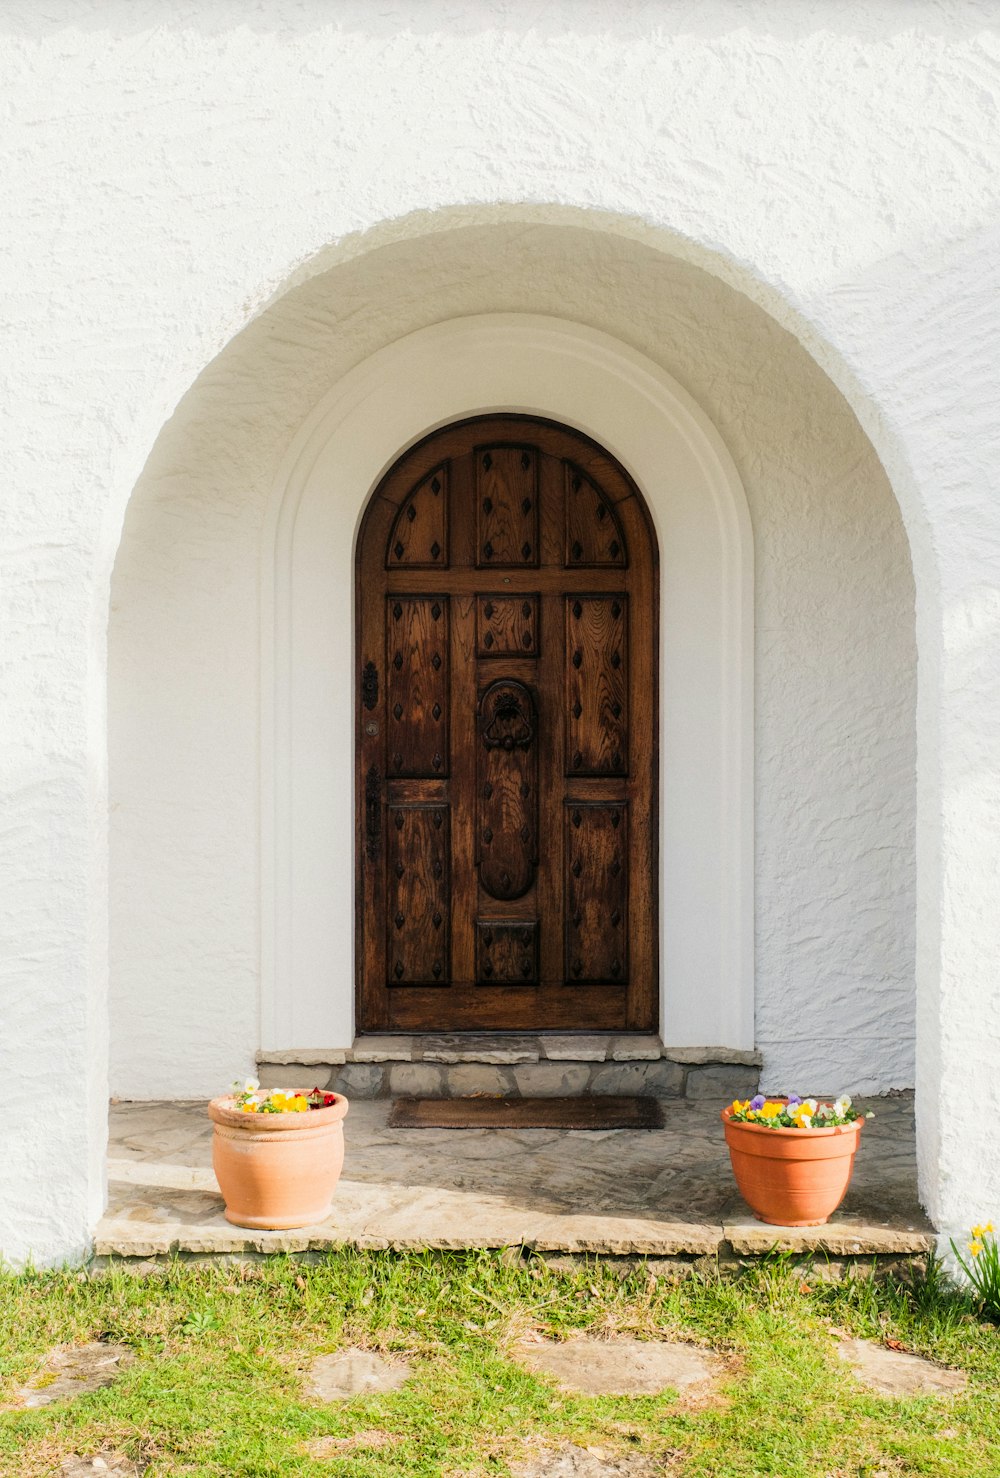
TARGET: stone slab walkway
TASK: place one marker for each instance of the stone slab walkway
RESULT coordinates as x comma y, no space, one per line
662,1193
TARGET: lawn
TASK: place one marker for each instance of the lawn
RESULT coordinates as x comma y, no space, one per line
216,1387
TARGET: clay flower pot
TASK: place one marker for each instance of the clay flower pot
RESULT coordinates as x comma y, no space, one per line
277,1171
792,1177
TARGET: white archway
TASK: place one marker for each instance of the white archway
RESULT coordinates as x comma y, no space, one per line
594,383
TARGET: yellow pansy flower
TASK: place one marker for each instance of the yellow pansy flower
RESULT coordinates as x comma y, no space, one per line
772,1110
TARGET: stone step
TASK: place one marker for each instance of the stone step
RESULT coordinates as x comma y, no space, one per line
480,1064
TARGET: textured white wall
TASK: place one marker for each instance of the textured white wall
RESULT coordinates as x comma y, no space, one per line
168,169
836,663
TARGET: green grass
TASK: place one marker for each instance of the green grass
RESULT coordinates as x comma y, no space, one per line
217,1384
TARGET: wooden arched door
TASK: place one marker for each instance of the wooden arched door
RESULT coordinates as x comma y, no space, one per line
507,757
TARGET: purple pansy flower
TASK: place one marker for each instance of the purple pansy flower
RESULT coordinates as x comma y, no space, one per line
758,1102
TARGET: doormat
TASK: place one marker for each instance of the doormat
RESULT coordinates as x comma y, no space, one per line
526,1113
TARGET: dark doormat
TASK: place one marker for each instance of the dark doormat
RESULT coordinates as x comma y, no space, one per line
526,1113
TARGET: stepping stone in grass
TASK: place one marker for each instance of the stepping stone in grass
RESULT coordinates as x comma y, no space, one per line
623,1367
896,1373
104,1465
587,1462
354,1373
74,1370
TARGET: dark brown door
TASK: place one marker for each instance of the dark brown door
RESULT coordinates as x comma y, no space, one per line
507,700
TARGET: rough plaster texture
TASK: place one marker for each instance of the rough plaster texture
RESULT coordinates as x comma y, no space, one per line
835,655
169,170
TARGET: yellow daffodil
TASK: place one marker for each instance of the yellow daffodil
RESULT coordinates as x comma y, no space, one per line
975,1248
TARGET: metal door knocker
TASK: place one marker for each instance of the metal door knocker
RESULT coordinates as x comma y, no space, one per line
507,716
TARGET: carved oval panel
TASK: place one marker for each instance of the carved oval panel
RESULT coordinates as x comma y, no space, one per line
508,789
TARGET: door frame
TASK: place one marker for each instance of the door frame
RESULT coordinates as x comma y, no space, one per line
591,382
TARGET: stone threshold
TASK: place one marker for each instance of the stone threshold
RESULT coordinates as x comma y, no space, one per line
515,1065
727,1244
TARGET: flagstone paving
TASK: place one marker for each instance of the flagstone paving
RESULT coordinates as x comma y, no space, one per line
589,1462
103,1465
665,1193
897,1372
352,1373
72,1371
623,1367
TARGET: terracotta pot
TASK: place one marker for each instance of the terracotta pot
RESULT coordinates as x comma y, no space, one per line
277,1170
792,1177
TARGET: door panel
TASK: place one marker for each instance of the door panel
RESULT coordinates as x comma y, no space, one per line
507,789
417,685
507,762
418,899
596,687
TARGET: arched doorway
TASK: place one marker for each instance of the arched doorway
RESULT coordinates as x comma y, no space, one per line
507,618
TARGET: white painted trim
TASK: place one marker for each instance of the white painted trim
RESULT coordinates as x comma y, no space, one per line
590,381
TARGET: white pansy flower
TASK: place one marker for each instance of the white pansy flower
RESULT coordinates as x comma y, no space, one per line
251,1085
842,1105
810,1104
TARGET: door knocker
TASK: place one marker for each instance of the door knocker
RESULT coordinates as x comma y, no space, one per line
507,715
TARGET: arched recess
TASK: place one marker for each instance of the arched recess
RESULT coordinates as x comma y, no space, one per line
591,382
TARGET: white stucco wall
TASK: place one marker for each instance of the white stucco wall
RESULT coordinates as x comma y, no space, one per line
169,170
836,666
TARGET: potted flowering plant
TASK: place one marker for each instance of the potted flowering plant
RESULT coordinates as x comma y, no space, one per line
792,1157
277,1156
